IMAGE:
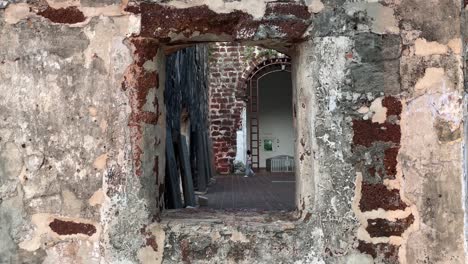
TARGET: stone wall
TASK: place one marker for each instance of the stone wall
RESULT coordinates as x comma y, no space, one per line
378,87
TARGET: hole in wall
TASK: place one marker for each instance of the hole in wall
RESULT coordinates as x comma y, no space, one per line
228,109
283,26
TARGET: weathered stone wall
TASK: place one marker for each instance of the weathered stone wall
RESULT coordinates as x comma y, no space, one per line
430,161
379,92
63,133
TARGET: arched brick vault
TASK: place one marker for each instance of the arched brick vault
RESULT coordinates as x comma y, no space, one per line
262,68
260,63
229,96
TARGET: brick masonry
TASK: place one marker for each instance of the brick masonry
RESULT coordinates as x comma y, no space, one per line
230,64
227,62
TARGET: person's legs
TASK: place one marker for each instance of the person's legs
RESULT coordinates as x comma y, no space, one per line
251,172
248,171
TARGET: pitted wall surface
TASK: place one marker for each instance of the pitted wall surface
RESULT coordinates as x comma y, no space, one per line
378,90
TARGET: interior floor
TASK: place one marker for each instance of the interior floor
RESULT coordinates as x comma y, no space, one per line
264,191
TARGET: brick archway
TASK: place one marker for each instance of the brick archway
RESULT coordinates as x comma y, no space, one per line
249,85
228,97
258,63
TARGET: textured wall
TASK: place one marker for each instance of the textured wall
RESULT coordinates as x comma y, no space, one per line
62,133
227,64
378,97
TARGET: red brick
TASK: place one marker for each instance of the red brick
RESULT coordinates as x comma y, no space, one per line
384,228
366,132
375,196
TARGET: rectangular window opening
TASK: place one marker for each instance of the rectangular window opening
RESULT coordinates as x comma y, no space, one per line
230,138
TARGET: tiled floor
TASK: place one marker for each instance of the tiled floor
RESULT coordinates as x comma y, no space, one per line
264,191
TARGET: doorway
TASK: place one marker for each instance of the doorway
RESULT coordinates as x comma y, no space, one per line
204,102
270,116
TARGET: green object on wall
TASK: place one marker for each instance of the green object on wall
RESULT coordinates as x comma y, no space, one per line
268,145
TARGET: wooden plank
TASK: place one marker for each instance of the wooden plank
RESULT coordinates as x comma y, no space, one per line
187,90
174,198
193,157
209,155
201,171
206,159
187,181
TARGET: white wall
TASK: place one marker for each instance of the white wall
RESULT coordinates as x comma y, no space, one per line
276,116
241,139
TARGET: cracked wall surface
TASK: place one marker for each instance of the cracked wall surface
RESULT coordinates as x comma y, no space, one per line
59,134
379,94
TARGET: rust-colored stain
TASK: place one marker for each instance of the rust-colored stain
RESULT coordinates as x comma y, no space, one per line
145,49
137,77
150,238
144,117
138,82
290,20
287,9
390,162
136,137
69,15
307,217
366,132
132,7
372,171
72,228
151,241
185,250
384,228
386,251
375,196
393,105
159,21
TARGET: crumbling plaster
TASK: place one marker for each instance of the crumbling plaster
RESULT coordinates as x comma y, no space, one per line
378,88
61,109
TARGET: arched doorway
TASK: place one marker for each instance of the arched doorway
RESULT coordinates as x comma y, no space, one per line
259,143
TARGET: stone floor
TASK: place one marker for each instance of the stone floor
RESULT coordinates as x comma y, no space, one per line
264,191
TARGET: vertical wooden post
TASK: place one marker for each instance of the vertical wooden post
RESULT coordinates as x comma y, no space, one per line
172,174
187,181
201,163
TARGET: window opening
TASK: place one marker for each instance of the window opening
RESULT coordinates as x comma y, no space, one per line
214,95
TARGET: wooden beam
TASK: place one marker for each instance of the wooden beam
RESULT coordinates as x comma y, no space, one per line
186,172
201,170
172,174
